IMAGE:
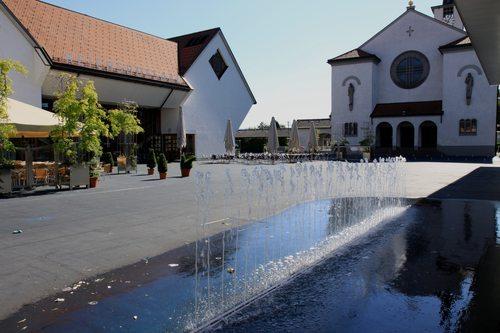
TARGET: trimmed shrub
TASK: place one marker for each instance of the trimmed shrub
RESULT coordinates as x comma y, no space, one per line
162,163
151,159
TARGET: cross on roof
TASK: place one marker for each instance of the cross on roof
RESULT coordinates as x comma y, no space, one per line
410,31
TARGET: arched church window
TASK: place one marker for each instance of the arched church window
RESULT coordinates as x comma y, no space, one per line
468,127
410,69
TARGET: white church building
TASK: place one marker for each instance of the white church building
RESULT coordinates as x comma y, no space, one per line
197,72
416,86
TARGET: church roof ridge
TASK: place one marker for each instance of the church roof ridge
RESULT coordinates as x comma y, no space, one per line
411,10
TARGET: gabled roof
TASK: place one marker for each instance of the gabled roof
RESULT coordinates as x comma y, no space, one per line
41,52
354,55
412,10
191,45
408,109
460,43
76,41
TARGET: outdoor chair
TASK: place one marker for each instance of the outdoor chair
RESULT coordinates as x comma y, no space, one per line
41,176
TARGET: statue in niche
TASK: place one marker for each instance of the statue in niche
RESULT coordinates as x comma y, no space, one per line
469,83
350,92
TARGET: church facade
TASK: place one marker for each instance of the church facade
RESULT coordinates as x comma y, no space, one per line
416,86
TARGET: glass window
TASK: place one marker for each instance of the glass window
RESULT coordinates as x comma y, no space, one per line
218,64
448,12
410,69
350,129
468,127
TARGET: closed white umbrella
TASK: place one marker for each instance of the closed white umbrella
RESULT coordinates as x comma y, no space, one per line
313,139
181,131
294,143
272,138
229,139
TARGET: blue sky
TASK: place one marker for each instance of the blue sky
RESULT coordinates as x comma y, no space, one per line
281,45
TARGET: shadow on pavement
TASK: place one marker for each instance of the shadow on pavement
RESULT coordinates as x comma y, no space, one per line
480,184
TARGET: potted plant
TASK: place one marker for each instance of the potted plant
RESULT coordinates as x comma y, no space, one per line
108,162
151,162
187,164
83,123
162,166
366,144
94,172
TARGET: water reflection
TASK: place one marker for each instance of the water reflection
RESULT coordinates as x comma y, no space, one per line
434,271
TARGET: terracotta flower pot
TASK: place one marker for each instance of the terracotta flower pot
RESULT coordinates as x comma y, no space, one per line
185,172
163,175
93,182
151,172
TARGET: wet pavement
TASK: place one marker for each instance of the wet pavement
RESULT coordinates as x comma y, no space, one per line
433,268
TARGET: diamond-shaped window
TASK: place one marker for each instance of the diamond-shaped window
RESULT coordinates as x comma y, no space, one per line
218,64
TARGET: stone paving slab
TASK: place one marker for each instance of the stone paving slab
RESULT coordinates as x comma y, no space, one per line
71,235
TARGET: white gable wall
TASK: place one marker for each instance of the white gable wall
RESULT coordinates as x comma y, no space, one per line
212,101
427,37
15,46
364,97
443,83
482,107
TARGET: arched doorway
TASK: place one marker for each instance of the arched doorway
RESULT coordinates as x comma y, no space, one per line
383,135
428,134
406,135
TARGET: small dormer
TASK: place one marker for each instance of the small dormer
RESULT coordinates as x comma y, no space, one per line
448,13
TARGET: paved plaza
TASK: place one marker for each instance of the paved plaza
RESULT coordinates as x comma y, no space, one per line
71,235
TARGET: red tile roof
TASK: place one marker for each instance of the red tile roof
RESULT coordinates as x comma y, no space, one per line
75,39
427,108
190,47
355,54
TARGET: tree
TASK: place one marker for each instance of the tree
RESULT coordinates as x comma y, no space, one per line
82,118
124,120
6,129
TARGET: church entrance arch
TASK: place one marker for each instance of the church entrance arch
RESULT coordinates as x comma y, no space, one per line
406,135
428,134
383,135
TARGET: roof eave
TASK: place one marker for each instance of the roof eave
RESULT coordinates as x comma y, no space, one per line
118,76
450,48
334,61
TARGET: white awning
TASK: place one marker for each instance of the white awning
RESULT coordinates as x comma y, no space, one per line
482,21
30,121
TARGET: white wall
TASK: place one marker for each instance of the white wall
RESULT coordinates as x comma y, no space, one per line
14,45
427,37
364,97
213,101
482,107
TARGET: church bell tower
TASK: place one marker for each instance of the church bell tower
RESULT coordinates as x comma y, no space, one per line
448,13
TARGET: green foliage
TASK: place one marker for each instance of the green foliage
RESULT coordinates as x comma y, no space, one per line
82,118
151,163
133,156
94,167
124,120
108,158
6,129
187,161
162,163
